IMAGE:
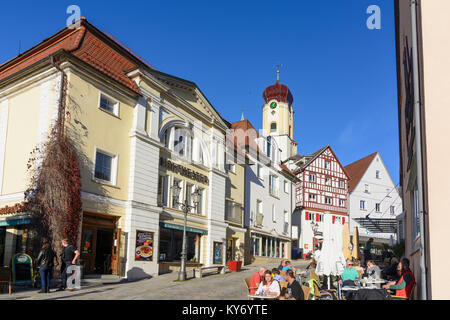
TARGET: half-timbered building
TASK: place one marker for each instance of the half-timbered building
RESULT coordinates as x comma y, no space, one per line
322,188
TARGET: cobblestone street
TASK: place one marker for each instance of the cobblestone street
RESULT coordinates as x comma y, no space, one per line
229,286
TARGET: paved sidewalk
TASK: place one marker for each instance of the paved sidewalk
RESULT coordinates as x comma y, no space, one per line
229,286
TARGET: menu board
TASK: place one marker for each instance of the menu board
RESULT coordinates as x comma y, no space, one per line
22,268
144,246
217,254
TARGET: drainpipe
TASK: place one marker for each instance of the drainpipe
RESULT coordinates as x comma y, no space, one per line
413,4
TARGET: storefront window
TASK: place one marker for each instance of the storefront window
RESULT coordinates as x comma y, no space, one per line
2,244
24,240
171,243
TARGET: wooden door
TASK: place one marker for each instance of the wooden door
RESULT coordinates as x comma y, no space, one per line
88,248
115,256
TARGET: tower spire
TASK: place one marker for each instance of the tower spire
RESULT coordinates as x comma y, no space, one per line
278,66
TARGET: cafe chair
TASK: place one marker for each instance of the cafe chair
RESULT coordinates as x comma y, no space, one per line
247,284
283,287
394,297
306,292
318,294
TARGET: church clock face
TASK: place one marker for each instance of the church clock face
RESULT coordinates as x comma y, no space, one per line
273,105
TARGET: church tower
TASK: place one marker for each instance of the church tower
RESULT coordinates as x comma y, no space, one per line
278,117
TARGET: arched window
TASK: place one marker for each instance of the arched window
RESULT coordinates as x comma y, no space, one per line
179,140
273,127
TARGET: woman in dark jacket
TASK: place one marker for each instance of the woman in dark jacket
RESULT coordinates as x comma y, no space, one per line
44,262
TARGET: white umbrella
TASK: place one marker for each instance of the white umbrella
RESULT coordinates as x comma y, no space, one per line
331,260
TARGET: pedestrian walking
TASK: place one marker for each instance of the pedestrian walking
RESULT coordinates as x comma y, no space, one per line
69,257
45,263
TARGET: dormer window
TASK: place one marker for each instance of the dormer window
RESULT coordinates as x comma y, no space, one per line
273,127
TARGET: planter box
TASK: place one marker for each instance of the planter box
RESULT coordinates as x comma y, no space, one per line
234,265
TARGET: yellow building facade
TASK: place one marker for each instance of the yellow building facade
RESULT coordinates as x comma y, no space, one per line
139,134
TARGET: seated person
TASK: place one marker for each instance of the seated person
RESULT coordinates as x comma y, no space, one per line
390,273
373,272
288,266
349,275
312,265
276,275
256,279
282,264
268,286
404,285
294,290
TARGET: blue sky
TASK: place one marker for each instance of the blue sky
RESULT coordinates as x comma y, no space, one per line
342,75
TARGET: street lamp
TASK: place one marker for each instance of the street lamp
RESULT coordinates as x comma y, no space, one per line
186,208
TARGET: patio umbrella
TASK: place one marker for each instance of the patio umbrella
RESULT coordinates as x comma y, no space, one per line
355,252
331,260
346,242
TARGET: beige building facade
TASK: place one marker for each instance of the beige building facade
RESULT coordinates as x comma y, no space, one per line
423,85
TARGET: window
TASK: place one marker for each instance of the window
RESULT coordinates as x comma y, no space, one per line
273,127
199,208
259,171
342,203
312,197
105,166
269,145
415,221
377,207
162,190
108,104
328,200
392,209
377,174
231,167
286,186
273,213
312,177
182,143
366,188
273,185
362,205
328,181
327,164
175,201
189,191
341,184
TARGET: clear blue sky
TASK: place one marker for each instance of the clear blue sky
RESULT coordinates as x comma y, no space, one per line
342,75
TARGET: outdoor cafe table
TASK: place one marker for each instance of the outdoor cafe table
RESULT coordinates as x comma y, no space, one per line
256,296
372,281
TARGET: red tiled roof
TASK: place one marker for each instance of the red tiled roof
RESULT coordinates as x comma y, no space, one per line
86,43
245,129
357,169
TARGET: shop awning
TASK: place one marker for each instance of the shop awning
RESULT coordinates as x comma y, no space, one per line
378,225
14,222
177,227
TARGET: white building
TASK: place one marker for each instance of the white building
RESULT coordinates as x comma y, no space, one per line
374,201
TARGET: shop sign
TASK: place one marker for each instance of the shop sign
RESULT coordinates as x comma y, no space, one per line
144,246
177,227
14,222
182,170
